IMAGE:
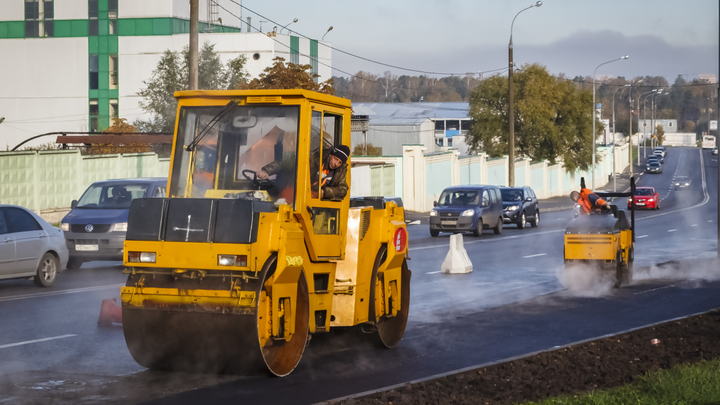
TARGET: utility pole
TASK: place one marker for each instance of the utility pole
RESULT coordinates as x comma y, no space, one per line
511,118
630,133
193,68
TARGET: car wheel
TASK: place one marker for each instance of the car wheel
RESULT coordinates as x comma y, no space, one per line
433,233
74,263
47,270
535,222
521,223
498,226
479,229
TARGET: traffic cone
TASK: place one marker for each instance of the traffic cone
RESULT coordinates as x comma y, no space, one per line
109,313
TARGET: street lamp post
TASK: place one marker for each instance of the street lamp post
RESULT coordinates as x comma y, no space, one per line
329,29
652,118
593,116
614,131
285,26
644,124
511,111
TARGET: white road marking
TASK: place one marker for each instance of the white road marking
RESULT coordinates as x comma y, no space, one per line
672,230
63,292
693,225
27,342
654,289
433,272
642,236
537,255
710,220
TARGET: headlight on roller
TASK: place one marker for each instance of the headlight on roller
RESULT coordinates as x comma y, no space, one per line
468,213
119,227
513,208
232,260
141,257
433,213
65,226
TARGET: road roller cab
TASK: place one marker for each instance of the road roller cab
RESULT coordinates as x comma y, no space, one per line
603,241
232,272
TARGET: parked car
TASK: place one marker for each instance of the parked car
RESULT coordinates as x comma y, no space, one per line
682,182
653,159
95,227
659,150
645,197
520,205
467,209
659,155
29,246
653,167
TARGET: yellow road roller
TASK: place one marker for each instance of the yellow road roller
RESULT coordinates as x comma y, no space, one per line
234,271
603,241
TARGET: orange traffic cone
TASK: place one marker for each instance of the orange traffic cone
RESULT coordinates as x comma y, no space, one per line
109,313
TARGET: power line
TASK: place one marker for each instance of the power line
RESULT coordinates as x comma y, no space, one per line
368,59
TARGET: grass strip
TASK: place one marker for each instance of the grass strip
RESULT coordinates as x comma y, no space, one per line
697,383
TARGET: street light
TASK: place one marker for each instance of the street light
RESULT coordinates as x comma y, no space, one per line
630,155
511,111
329,29
614,131
593,116
644,123
285,26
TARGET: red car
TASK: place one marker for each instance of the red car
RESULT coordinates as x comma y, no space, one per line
645,197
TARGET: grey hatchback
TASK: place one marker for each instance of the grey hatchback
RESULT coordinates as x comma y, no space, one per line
95,227
470,208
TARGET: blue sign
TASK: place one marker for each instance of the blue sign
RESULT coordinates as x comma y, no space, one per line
599,106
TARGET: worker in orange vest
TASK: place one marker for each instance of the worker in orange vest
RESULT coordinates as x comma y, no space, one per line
589,202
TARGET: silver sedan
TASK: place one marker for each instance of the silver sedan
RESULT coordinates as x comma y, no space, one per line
29,246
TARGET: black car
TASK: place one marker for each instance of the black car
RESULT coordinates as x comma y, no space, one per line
520,205
653,159
653,167
470,208
682,182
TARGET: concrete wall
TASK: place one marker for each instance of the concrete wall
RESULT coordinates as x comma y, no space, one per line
50,180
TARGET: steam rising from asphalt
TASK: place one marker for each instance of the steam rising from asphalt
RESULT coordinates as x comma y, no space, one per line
693,271
585,280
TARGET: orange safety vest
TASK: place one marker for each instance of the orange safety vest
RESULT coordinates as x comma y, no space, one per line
589,200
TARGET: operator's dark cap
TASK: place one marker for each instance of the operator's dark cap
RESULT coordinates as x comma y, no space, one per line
341,152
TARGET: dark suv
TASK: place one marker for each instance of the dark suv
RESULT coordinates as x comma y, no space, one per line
520,205
467,209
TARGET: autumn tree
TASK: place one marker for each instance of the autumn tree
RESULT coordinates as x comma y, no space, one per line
552,118
660,133
172,73
119,125
368,149
283,75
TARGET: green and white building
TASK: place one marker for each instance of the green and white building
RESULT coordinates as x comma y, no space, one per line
74,65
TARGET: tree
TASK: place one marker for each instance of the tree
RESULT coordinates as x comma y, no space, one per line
171,74
119,125
660,132
552,118
369,149
283,75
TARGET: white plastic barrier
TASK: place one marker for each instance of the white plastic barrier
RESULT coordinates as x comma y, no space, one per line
457,260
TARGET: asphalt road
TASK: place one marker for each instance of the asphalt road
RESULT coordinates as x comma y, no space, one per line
516,301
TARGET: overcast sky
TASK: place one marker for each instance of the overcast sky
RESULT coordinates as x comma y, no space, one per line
663,37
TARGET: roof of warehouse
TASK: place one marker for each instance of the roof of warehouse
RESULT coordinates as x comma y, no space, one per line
410,113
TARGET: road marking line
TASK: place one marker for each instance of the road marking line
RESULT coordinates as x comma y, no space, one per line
672,230
49,294
27,342
654,289
693,225
642,236
710,220
433,272
537,255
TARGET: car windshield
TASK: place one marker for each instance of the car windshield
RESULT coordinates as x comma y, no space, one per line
111,196
644,191
510,195
235,146
654,164
682,178
460,197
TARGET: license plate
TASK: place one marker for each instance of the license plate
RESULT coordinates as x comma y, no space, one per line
86,248
449,222
640,203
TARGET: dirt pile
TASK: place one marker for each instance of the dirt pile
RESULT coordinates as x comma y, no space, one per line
600,364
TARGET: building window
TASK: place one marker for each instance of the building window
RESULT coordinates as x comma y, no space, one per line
439,125
92,18
113,67
94,71
94,115
114,110
39,18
